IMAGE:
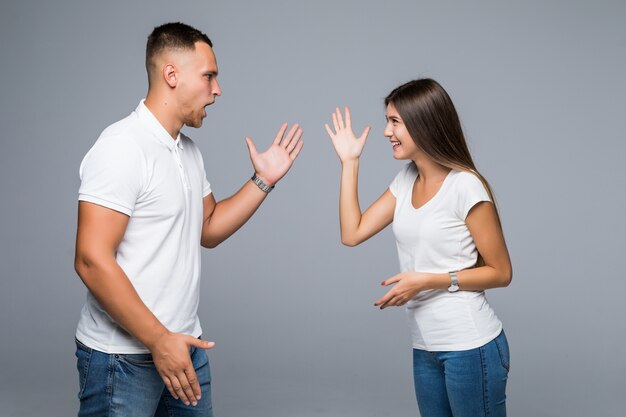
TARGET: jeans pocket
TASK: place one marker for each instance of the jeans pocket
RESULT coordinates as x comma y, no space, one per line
136,359
83,358
503,350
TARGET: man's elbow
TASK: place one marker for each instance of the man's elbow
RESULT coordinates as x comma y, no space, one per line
83,264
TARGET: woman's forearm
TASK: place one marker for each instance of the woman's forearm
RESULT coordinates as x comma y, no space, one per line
349,208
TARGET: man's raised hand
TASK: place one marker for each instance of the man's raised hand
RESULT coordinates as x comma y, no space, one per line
271,165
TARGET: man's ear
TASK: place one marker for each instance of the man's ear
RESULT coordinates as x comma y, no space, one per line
170,75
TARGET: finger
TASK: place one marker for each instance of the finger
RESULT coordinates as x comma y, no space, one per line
279,135
339,118
200,344
193,382
287,140
169,386
348,118
294,141
186,392
293,155
390,281
395,301
366,132
251,147
329,131
177,388
402,301
335,123
392,302
384,299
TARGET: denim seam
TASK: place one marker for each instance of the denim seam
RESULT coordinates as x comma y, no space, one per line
436,358
166,400
86,373
505,364
111,383
483,363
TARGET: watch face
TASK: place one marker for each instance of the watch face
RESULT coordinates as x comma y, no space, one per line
453,288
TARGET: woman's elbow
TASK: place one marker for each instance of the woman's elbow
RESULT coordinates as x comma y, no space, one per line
210,243
507,277
350,241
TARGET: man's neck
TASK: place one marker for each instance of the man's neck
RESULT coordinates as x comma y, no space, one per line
163,111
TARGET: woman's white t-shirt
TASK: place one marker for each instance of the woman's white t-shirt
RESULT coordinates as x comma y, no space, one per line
434,238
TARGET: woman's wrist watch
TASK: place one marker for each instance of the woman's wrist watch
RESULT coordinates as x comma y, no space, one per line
454,282
263,186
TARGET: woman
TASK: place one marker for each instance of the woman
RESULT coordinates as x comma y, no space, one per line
450,245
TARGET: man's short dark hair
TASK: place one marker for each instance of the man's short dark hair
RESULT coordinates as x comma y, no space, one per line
174,35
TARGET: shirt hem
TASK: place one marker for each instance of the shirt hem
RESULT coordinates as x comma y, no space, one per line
105,203
120,349
455,347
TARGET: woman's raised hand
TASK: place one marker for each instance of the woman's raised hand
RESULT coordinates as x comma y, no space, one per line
347,146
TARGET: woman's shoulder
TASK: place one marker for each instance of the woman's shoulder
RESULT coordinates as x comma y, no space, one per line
466,179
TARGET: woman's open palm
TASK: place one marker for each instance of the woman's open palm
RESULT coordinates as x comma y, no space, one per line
347,145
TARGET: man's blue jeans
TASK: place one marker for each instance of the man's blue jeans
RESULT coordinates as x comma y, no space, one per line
469,383
119,385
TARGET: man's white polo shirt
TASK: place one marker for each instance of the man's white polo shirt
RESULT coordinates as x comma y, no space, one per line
136,168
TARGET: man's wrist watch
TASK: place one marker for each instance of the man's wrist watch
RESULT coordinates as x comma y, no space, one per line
454,282
263,186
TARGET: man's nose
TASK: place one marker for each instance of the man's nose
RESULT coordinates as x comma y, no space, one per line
217,90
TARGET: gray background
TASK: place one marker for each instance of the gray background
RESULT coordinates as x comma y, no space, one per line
541,90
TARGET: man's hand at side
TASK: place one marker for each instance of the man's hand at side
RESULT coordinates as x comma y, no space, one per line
170,353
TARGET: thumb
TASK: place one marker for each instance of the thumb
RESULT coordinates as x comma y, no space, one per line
201,344
366,132
251,147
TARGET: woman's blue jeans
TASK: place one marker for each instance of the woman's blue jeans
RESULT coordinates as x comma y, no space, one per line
116,385
468,383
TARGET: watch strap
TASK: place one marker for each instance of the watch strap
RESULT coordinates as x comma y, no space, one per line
454,282
263,186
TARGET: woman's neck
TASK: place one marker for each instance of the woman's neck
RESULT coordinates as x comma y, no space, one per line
430,171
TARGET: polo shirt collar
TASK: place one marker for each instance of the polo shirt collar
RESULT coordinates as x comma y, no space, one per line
156,128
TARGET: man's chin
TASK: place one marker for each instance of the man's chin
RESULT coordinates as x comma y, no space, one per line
194,123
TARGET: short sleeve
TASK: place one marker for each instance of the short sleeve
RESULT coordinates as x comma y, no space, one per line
111,174
400,180
206,187
471,191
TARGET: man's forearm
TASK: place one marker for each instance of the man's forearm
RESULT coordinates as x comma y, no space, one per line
231,213
109,284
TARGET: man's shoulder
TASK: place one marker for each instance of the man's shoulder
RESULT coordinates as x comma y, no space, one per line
120,140
128,126
128,132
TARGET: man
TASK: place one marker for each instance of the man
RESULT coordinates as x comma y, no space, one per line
145,207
